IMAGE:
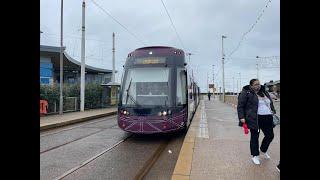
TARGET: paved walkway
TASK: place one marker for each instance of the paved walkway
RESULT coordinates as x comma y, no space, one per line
51,121
215,147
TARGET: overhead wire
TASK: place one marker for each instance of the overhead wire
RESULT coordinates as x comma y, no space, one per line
247,32
172,24
107,13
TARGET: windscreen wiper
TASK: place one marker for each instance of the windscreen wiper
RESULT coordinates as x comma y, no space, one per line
128,95
127,90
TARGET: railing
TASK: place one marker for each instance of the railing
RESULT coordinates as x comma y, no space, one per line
231,99
72,104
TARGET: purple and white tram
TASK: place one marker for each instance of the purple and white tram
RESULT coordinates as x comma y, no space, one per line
158,94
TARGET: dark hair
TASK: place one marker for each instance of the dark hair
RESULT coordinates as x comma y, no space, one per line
253,80
261,90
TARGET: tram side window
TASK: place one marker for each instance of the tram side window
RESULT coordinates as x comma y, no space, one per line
181,86
190,91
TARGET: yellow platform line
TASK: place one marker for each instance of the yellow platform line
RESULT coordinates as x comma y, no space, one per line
182,168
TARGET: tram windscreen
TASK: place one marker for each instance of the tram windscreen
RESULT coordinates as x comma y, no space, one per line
146,86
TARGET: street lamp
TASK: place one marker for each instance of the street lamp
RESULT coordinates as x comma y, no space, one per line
40,35
189,54
83,61
257,66
223,83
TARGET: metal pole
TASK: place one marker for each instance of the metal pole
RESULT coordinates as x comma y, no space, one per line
61,61
213,81
240,82
40,36
83,65
113,59
207,82
220,93
257,67
232,85
223,83
237,87
257,71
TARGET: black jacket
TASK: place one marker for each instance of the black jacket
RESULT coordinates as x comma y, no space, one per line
248,106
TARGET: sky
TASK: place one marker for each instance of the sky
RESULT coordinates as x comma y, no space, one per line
200,25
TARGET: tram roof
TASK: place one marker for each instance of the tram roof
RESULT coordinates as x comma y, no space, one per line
156,50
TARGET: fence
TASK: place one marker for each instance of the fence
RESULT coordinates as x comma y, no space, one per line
231,99
72,104
96,96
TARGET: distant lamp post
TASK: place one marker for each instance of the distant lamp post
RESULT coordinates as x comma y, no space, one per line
223,82
113,85
189,54
257,66
40,35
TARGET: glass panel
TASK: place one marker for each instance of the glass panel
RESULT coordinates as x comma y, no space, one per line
146,86
44,80
181,87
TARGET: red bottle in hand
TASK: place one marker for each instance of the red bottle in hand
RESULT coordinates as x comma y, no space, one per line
245,128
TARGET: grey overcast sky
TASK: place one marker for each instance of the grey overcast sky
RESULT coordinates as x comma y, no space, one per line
199,23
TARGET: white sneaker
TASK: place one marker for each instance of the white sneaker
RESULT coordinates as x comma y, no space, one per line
256,160
265,155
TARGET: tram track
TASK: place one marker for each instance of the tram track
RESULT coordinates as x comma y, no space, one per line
150,162
77,139
76,126
141,173
91,159
81,137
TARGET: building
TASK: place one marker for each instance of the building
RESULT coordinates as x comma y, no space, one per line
50,68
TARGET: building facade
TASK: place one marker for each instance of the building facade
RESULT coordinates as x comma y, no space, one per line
50,68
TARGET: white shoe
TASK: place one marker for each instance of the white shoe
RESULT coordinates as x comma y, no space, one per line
265,155
256,160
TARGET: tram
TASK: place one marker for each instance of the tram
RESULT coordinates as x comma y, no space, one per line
158,93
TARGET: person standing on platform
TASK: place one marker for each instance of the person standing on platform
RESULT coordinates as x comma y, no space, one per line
209,95
255,108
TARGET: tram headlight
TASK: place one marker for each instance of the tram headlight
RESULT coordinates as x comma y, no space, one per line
126,112
164,113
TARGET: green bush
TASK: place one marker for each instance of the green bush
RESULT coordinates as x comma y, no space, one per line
49,93
93,94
